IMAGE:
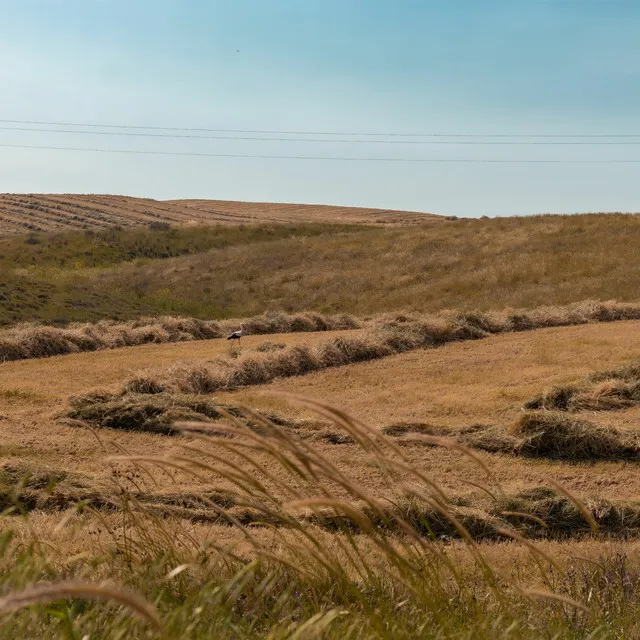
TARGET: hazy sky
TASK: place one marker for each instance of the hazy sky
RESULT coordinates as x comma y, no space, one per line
554,67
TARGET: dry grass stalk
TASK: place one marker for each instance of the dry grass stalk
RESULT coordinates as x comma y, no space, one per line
555,597
405,531
44,594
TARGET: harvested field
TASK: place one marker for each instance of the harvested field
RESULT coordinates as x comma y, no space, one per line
321,498
23,213
391,335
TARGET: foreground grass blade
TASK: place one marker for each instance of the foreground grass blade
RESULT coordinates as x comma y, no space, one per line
43,594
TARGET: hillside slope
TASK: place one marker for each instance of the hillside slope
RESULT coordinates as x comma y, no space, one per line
232,271
21,213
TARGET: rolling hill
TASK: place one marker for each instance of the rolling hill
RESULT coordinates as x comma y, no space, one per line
230,271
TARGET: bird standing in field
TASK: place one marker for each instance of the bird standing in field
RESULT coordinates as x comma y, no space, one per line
236,335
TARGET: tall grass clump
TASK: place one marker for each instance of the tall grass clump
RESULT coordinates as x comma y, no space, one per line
360,556
309,552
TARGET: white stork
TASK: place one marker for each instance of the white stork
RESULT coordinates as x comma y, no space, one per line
236,335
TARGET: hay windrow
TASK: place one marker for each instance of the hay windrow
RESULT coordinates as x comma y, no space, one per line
563,519
28,341
25,488
534,435
554,435
601,391
388,335
405,332
152,414
160,412
259,367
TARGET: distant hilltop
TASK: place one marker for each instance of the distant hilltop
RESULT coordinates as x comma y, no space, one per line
23,213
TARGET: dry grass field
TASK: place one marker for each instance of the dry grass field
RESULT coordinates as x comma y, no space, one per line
411,397
456,460
21,213
451,387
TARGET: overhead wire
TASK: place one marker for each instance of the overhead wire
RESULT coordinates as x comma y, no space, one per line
325,140
331,158
319,133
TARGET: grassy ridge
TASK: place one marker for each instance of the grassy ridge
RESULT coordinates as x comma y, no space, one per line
53,277
463,264
111,246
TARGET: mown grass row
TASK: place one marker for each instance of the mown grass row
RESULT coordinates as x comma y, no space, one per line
39,341
538,512
391,335
546,434
601,391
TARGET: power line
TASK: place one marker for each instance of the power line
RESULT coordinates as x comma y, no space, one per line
322,133
339,141
331,158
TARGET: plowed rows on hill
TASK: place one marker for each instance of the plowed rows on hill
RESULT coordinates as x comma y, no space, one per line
23,213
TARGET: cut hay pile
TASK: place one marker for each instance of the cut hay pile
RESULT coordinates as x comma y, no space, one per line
25,488
159,413
601,391
554,435
150,413
553,515
542,434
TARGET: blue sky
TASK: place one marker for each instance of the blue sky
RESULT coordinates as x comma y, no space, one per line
552,67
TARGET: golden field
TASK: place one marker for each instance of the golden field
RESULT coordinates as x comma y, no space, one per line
457,385
396,485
